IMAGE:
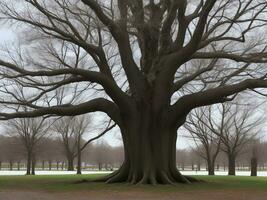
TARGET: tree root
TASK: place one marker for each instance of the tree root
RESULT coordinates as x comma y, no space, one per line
163,177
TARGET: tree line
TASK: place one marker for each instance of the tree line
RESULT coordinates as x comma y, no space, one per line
50,154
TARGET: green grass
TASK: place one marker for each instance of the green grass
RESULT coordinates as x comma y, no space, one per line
69,183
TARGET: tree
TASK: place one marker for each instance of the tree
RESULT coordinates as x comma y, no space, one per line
29,131
81,125
66,128
255,149
236,127
150,62
207,142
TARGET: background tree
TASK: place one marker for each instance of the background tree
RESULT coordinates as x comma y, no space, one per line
155,60
29,131
65,127
207,142
236,126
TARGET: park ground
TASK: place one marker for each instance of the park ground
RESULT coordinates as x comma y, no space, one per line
70,187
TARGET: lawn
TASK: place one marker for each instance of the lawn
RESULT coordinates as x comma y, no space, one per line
69,187
63,183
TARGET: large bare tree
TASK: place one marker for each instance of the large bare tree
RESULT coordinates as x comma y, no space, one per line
150,61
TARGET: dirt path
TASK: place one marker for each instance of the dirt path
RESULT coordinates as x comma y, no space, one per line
133,195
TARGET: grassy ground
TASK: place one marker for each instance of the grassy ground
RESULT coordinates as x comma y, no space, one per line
63,183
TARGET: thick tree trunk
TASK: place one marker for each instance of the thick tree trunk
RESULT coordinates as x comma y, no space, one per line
150,156
254,166
231,165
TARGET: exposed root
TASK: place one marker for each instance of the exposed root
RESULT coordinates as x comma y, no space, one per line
135,178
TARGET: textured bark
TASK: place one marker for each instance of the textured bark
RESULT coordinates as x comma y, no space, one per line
150,154
231,165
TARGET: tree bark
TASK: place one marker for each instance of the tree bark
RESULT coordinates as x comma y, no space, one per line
231,165
150,155
254,166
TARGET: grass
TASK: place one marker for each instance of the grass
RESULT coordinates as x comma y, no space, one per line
63,183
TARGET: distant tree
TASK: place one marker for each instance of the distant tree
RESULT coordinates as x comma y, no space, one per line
254,152
236,125
207,142
29,131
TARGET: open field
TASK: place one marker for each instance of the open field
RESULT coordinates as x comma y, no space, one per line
66,187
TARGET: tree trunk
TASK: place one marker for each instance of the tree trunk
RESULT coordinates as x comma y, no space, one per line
198,166
0,165
57,165
50,165
33,166
43,165
18,166
29,163
79,156
150,156
231,165
254,165
211,168
99,166
70,163
10,165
